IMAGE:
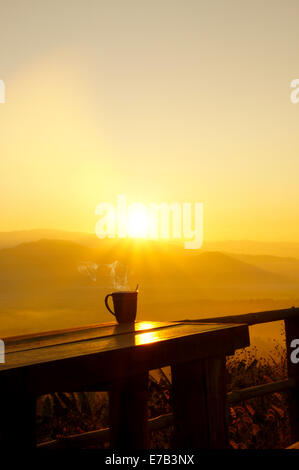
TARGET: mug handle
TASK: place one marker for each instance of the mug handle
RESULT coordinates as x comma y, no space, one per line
106,303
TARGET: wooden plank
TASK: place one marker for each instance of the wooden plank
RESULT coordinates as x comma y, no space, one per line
110,343
100,436
251,318
43,334
128,413
25,343
260,390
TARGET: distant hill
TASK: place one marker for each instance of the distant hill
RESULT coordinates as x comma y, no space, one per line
14,238
249,247
42,260
53,283
59,262
286,266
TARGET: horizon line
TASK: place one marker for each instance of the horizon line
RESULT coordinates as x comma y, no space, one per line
219,240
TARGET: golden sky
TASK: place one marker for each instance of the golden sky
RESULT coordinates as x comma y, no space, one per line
158,100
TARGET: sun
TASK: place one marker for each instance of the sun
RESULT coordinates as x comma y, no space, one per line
138,223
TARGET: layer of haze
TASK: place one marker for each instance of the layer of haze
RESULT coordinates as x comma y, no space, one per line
159,100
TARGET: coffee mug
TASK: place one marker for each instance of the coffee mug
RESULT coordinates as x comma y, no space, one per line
125,305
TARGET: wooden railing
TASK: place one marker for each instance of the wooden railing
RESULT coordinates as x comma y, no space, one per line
291,384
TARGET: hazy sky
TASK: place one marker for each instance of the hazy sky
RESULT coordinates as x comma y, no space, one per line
159,100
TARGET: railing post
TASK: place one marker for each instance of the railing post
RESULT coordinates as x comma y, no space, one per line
190,412
292,332
215,372
199,404
17,420
128,412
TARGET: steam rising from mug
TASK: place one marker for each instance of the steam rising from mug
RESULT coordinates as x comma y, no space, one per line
119,275
117,272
